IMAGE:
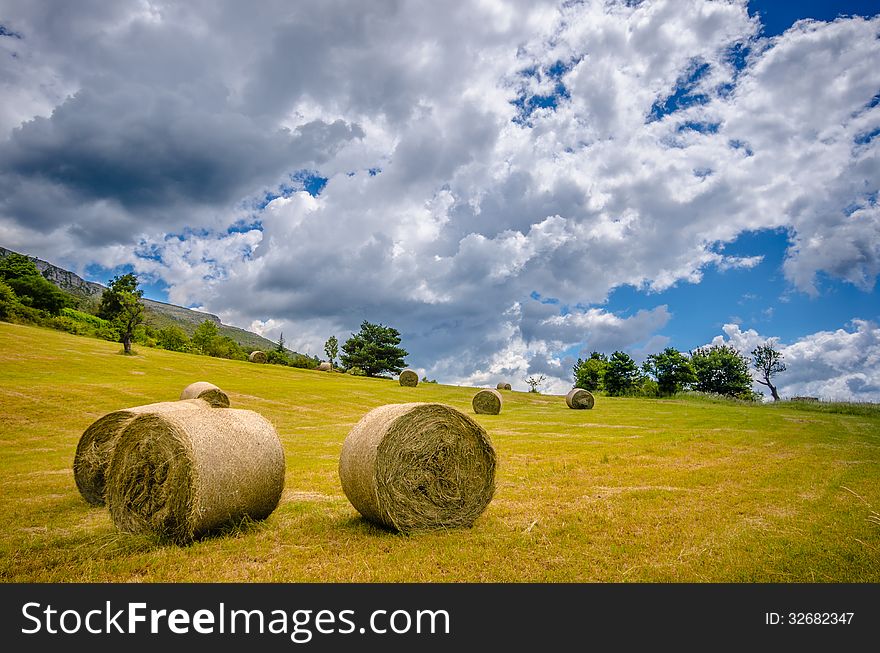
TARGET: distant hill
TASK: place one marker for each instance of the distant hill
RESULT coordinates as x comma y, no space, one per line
157,314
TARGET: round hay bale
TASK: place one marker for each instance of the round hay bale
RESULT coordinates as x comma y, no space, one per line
257,357
418,466
207,391
487,402
579,398
409,379
503,386
95,448
182,474
324,367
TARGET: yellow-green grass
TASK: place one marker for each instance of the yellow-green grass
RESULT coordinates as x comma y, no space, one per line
633,490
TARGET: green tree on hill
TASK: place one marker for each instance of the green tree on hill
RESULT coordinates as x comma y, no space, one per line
589,374
331,348
768,363
173,338
722,370
121,305
374,349
204,336
622,374
671,369
31,288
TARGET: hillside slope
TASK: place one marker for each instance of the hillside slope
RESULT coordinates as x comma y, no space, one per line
633,490
157,314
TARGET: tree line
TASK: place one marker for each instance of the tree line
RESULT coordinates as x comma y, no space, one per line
715,369
26,296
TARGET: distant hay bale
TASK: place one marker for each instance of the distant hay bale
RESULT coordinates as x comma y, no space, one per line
207,391
418,466
324,367
257,357
182,474
503,386
487,402
409,379
98,441
579,398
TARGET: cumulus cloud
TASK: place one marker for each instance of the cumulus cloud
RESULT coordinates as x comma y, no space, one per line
476,157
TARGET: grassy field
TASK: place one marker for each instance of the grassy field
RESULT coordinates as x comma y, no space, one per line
633,490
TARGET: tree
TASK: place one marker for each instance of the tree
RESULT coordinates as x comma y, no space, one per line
589,374
172,338
671,369
331,348
121,305
374,349
621,375
30,287
768,362
723,370
280,346
204,335
8,300
535,382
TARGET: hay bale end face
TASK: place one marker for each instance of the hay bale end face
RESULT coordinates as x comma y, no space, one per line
324,367
503,386
487,402
207,391
418,466
578,398
97,443
409,379
183,474
257,357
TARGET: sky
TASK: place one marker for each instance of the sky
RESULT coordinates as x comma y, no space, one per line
510,184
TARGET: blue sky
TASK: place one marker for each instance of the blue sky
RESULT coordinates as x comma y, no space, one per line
509,184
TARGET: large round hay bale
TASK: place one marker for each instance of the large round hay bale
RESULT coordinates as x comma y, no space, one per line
207,391
257,357
503,386
409,379
418,466
96,445
324,367
182,474
579,398
487,402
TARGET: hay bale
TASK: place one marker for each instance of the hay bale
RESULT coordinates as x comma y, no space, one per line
207,391
503,386
182,474
97,443
579,398
487,402
409,379
418,466
324,367
257,357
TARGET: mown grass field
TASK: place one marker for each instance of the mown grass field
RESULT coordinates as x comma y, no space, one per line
633,490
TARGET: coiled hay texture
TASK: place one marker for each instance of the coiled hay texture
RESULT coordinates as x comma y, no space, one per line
96,445
257,357
503,386
579,398
183,474
418,466
487,402
324,367
207,391
409,379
